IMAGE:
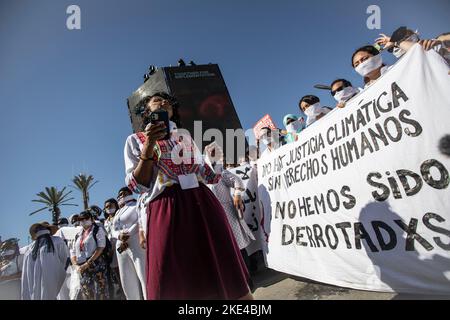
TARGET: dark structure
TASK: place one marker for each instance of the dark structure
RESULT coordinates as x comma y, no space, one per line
202,96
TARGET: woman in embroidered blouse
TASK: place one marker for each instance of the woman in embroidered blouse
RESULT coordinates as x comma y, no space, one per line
191,250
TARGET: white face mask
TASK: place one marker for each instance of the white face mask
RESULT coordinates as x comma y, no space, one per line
294,126
86,223
124,200
345,94
266,140
398,52
110,211
313,110
369,65
128,198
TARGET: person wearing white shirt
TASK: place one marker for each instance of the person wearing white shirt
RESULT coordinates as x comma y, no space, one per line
67,234
131,256
342,91
11,262
166,168
310,106
270,138
368,63
403,39
88,260
44,264
111,207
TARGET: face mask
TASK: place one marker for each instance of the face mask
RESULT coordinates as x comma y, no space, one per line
345,94
294,126
313,110
128,198
266,141
398,52
369,65
86,223
110,211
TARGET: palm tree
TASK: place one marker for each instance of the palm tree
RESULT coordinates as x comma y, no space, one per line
53,199
84,182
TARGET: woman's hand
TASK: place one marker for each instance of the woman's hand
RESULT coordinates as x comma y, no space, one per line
341,105
83,267
384,41
153,132
214,152
427,44
238,204
142,240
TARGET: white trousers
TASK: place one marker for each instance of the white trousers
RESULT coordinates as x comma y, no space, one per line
132,269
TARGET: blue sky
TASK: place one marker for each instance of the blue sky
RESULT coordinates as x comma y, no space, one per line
63,93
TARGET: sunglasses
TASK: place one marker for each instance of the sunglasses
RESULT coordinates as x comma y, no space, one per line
333,93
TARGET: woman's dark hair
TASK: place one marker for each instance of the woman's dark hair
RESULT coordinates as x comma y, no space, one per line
43,240
369,49
309,99
85,214
112,200
345,82
95,210
124,189
63,221
173,101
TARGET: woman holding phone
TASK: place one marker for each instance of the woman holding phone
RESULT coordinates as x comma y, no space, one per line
191,250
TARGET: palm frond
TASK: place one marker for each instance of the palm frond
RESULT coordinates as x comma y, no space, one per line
37,211
64,196
92,185
44,196
60,193
42,201
51,193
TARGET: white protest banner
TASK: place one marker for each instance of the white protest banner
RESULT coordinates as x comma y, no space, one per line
252,215
362,199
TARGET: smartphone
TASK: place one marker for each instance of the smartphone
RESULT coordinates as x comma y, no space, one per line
161,116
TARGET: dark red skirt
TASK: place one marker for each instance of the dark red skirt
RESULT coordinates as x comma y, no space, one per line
191,250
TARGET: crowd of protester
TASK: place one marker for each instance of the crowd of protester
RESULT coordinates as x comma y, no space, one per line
367,61
183,236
